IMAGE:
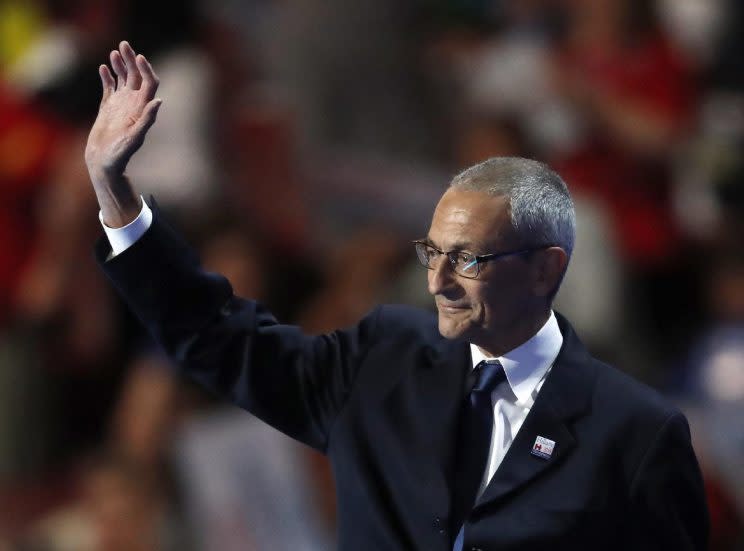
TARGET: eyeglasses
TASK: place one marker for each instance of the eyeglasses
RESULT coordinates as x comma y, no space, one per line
463,263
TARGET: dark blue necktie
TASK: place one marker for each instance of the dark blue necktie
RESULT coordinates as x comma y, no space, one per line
474,440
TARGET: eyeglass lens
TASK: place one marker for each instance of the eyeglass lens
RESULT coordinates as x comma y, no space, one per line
462,263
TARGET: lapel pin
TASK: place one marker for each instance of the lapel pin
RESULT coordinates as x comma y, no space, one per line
543,447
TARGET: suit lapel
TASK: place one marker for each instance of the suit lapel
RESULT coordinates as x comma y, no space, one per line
520,466
565,395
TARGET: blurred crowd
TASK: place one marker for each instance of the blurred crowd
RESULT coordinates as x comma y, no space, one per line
300,147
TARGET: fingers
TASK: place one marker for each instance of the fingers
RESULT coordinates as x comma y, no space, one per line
150,80
119,68
107,81
147,119
134,78
133,71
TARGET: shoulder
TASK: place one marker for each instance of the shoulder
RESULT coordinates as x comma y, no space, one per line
396,319
620,407
618,390
635,418
631,420
612,390
396,323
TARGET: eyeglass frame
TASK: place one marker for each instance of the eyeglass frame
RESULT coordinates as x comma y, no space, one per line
477,258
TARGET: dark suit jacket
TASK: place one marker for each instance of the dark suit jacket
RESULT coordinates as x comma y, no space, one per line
382,400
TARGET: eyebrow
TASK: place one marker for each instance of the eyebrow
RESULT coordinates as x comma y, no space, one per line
457,246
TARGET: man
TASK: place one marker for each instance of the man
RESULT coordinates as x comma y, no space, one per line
486,427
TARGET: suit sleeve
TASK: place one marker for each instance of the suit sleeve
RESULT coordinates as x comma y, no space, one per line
667,495
233,346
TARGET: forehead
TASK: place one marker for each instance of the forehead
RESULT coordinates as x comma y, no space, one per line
470,219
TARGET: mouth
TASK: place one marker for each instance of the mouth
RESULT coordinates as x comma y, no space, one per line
450,308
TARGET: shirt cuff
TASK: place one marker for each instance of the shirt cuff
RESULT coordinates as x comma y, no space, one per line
122,238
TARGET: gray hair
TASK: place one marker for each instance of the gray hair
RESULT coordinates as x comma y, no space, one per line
541,208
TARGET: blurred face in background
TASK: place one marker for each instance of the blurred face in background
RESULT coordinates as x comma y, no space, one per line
145,413
123,508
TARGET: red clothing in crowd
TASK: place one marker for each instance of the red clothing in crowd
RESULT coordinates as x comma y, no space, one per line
27,140
653,78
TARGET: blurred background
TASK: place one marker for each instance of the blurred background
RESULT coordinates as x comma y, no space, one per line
301,145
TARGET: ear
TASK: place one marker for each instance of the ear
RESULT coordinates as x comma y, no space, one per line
548,268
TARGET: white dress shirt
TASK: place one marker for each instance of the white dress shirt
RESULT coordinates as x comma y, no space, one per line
526,368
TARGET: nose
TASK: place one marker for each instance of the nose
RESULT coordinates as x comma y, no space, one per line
441,277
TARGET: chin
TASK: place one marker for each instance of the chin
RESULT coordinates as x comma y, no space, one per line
449,329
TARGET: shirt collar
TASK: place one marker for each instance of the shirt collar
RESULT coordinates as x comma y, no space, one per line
527,364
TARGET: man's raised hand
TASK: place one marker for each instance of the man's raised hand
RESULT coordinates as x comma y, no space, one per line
128,109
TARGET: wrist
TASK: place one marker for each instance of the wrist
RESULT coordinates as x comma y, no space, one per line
105,176
117,199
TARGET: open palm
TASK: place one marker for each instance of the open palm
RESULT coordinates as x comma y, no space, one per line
127,111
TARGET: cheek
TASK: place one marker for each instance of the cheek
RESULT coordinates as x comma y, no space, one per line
497,303
480,306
